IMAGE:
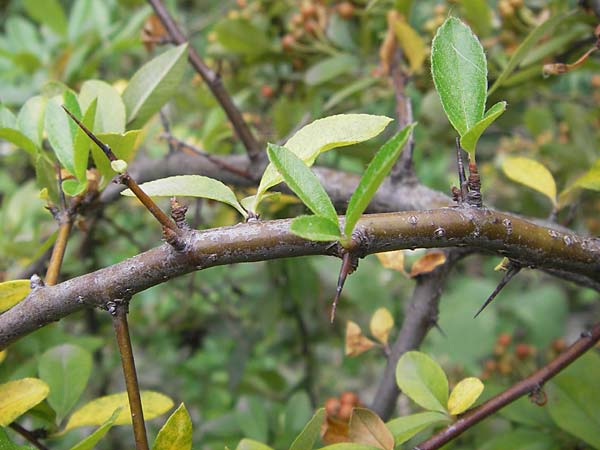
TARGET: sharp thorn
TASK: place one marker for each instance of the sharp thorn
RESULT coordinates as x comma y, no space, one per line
513,269
344,271
105,148
436,325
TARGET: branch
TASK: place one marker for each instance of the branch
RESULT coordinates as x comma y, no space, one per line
479,229
212,80
420,315
529,385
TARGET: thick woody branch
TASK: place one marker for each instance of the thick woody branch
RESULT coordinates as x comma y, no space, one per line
529,385
212,80
479,229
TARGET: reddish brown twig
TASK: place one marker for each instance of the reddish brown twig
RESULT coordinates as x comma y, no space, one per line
531,384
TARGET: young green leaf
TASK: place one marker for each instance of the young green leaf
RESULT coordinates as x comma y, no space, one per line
322,135
523,49
57,126
51,14
459,72
190,186
176,434
469,140
123,146
590,179
316,228
311,432
110,112
19,396
66,368
20,140
73,187
404,428
90,441
101,409
153,85
81,144
464,394
31,119
12,292
532,174
423,380
378,169
302,181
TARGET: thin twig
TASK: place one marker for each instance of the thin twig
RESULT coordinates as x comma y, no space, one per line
164,120
118,310
60,246
178,143
212,80
126,179
531,384
31,436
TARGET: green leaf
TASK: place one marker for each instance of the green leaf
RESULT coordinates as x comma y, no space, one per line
358,86
81,144
252,418
19,139
459,72
479,14
73,187
298,410
50,13
176,434
531,174
31,119
191,186
590,179
90,442
366,427
57,125
243,37
66,368
404,428
310,434
12,292
378,169
153,85
19,396
464,394
523,49
110,110
316,228
249,444
322,135
330,68
123,146
7,118
469,140
99,410
7,444
422,380
573,399
72,104
302,181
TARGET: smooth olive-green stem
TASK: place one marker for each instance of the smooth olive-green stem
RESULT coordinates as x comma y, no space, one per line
121,326
58,252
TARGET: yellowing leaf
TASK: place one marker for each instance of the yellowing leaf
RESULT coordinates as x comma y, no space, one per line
2,355
19,396
392,260
356,342
99,410
464,394
12,292
427,263
412,44
591,179
366,427
381,324
176,434
531,174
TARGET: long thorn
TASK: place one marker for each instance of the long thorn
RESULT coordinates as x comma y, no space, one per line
513,269
462,176
344,271
105,148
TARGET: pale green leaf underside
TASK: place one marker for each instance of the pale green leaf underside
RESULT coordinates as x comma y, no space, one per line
378,169
403,428
471,137
190,186
315,228
302,181
322,135
459,72
423,381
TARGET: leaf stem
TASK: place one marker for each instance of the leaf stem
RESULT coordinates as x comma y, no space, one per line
119,310
31,436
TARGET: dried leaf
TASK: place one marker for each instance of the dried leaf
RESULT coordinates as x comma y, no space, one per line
427,263
334,431
366,427
392,260
356,342
153,32
381,324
